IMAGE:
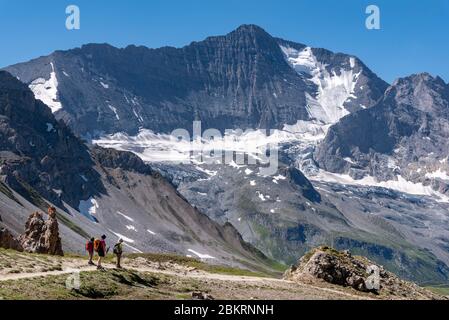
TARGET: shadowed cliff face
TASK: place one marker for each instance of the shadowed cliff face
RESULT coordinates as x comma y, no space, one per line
40,153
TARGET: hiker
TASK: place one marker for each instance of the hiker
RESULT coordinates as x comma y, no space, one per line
100,248
90,250
118,250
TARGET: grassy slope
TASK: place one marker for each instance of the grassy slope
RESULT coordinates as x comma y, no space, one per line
94,285
442,290
112,284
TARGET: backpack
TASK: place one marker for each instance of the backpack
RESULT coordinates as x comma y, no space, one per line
97,245
89,246
117,249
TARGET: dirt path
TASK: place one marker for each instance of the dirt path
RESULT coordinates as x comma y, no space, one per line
197,274
194,275
27,275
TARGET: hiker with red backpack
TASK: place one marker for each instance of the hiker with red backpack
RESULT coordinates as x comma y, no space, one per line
90,251
100,248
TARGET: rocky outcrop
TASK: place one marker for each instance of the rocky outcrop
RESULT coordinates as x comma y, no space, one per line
301,183
331,266
342,269
111,158
42,236
7,240
52,240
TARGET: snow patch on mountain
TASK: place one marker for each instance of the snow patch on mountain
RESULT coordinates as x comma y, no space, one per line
261,196
401,184
277,178
200,255
333,88
131,227
439,174
50,127
88,208
121,236
47,90
104,85
114,109
137,115
125,216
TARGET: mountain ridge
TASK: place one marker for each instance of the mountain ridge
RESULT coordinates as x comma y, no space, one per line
239,80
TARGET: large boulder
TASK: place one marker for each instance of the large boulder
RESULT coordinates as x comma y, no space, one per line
343,269
7,240
42,236
332,266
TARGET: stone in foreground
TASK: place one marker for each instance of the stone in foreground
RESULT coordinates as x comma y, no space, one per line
342,269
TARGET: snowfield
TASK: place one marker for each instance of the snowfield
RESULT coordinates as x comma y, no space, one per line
89,208
47,90
400,184
155,147
333,89
439,174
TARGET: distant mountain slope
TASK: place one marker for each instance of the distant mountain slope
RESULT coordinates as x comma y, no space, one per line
245,79
97,190
403,139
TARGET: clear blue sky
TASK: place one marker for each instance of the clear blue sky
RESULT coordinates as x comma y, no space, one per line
413,36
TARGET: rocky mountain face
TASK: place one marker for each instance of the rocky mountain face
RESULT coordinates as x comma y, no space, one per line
245,79
403,138
280,215
100,192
